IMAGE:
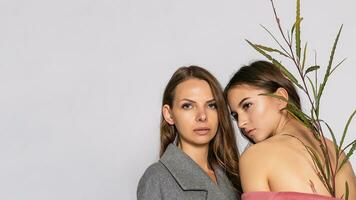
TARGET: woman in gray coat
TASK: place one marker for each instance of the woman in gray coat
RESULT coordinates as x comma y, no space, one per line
199,155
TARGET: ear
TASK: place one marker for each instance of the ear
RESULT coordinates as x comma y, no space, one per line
284,94
167,114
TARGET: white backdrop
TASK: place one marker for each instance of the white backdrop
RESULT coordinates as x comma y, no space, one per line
81,82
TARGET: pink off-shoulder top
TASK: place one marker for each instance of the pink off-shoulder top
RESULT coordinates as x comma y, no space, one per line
284,196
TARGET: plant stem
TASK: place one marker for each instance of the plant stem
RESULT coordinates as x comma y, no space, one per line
318,127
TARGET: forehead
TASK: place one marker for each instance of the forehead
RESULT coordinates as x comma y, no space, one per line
193,89
239,92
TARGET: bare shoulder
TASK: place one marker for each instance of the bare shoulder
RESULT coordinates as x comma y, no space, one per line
265,151
255,165
264,156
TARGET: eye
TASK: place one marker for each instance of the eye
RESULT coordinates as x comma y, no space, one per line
234,116
246,106
186,106
213,106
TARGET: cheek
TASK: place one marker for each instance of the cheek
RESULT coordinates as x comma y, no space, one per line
214,119
183,120
259,111
267,116
213,115
260,114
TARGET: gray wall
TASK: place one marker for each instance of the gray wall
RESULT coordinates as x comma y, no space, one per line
81,82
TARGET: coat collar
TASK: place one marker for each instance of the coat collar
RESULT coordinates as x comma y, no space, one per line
186,172
190,176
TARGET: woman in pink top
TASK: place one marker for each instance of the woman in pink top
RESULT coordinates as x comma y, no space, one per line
277,166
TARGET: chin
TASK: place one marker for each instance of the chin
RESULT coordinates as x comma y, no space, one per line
202,142
257,140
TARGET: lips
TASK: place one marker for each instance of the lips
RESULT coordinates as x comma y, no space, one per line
202,130
250,132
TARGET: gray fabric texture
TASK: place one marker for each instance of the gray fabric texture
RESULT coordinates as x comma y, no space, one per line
177,176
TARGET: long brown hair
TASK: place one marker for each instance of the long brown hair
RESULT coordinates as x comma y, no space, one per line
263,75
223,150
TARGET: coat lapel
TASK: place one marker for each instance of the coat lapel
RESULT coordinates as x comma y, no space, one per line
191,177
224,184
186,172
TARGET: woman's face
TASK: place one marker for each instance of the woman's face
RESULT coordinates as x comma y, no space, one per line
193,113
257,115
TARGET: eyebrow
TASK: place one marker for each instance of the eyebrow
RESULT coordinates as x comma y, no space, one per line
212,100
185,99
244,99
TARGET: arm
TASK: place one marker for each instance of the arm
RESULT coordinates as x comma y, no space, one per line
253,170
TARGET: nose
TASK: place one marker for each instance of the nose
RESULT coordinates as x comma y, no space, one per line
242,121
201,115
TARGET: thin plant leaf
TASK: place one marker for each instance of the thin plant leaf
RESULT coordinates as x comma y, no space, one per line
312,186
312,85
289,38
300,116
316,86
333,49
274,38
315,157
314,121
348,155
292,31
327,161
304,55
317,160
278,64
269,49
333,138
294,110
337,66
346,127
293,28
327,73
347,191
297,30
312,68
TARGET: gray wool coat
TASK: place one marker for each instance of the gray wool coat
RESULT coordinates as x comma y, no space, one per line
177,177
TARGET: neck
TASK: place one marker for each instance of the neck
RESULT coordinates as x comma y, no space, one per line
283,124
197,153
290,125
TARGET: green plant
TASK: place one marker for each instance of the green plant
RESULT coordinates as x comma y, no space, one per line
292,51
